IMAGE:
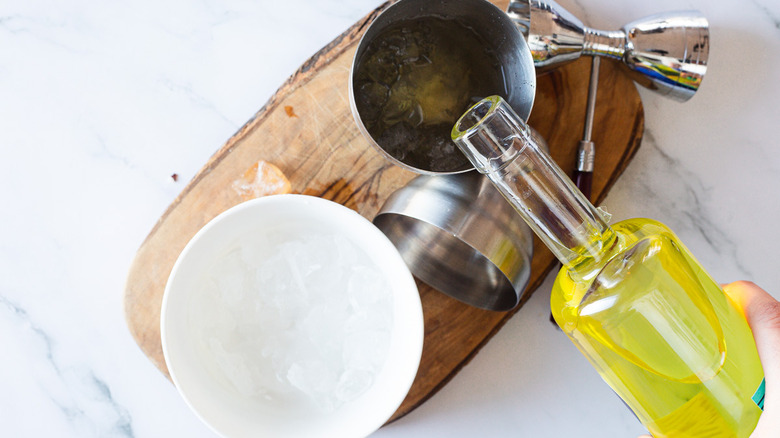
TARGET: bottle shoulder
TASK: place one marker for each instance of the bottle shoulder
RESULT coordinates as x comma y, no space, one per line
632,230
569,289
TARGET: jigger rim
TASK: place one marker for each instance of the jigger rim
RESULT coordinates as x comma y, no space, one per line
458,235
522,80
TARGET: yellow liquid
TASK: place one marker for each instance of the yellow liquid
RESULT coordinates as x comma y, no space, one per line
663,335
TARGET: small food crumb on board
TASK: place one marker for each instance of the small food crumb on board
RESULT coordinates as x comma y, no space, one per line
290,112
262,179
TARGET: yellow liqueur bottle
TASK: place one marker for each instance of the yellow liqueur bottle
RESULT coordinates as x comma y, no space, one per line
630,296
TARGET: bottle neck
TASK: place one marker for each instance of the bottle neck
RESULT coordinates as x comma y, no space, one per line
501,146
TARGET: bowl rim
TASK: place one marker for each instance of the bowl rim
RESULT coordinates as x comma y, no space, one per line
378,242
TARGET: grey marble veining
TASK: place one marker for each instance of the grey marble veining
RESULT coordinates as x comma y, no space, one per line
83,399
683,200
771,11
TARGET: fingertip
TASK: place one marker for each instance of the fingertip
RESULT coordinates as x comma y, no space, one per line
743,293
759,307
741,288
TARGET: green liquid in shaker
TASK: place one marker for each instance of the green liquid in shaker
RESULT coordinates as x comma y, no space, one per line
415,79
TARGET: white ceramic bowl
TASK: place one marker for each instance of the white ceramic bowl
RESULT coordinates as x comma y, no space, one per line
233,414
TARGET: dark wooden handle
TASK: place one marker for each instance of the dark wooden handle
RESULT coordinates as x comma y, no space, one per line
584,181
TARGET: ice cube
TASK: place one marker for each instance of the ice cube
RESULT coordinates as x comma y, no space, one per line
293,254
365,286
380,67
370,99
366,350
397,138
316,381
443,155
324,327
347,253
353,383
399,105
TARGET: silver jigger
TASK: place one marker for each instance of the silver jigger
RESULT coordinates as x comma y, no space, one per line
666,52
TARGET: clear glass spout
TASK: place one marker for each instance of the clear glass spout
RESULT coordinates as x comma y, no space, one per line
500,145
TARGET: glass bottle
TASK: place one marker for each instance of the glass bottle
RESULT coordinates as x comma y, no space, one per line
630,296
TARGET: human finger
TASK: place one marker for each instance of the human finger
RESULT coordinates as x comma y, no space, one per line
762,312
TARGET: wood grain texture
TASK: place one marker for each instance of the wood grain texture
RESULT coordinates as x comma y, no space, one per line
306,129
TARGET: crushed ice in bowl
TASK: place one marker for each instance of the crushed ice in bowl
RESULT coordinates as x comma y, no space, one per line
287,317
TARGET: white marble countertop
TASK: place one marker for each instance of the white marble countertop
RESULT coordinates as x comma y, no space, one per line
101,102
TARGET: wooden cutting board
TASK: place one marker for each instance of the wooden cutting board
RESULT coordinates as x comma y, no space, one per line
306,129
